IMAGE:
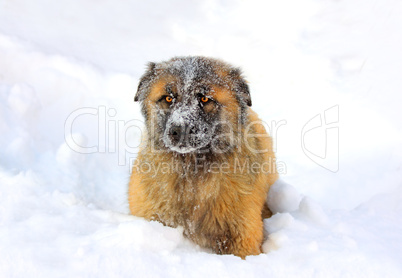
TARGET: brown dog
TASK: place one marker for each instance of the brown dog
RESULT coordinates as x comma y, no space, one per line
206,162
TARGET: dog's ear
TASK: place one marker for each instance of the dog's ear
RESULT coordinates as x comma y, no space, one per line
240,86
145,82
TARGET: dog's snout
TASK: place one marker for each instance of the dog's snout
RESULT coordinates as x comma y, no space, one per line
175,133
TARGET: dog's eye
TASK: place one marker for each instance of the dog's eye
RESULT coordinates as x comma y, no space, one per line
204,99
168,99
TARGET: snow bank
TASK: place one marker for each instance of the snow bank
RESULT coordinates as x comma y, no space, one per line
322,72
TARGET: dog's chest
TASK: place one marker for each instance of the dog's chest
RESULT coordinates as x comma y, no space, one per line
186,204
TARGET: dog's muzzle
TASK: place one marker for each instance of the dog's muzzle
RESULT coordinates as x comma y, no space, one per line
186,138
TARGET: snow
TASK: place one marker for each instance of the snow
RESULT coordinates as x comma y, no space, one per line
324,71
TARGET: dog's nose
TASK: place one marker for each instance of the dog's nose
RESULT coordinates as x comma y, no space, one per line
175,133
192,131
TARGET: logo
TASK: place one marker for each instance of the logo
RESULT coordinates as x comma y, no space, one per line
320,139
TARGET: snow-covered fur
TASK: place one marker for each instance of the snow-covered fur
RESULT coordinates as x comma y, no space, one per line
206,162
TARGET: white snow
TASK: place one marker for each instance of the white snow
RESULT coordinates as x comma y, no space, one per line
327,72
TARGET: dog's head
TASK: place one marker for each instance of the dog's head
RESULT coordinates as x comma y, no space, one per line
193,104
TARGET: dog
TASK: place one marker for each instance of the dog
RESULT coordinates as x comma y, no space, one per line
206,162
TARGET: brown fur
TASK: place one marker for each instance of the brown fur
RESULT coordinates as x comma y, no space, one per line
219,206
